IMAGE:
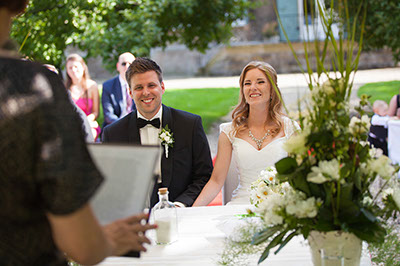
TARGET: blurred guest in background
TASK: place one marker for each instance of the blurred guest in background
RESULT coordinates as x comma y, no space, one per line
394,106
115,97
84,91
85,122
378,132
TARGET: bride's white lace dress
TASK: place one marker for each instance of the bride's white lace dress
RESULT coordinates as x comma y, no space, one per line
250,161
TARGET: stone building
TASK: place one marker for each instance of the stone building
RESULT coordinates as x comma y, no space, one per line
258,37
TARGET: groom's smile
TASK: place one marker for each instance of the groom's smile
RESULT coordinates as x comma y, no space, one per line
147,93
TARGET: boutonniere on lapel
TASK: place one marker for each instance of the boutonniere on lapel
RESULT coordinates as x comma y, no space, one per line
166,139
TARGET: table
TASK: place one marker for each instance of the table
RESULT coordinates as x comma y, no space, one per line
201,243
394,140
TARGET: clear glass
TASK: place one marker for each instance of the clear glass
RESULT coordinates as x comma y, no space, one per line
334,258
166,217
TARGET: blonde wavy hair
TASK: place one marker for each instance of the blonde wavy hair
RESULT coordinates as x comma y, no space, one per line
241,112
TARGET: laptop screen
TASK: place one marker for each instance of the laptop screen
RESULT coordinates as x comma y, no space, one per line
129,179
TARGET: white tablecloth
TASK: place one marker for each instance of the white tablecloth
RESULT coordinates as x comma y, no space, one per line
201,243
394,140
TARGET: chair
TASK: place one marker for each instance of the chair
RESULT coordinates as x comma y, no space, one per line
231,182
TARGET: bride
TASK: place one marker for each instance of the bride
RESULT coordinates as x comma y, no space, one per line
254,138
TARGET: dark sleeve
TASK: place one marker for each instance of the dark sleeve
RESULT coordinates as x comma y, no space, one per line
66,175
201,164
104,135
108,109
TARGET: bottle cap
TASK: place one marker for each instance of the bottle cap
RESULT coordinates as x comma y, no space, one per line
163,190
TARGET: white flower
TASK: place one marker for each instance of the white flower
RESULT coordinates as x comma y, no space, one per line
359,126
382,166
303,208
366,121
396,196
166,139
296,143
375,153
367,201
270,208
325,171
328,88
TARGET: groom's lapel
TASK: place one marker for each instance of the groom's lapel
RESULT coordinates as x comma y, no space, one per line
166,163
133,130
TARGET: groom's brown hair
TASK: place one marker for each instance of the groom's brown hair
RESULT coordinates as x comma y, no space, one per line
141,65
17,6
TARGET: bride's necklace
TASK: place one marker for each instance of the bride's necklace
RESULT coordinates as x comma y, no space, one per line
259,142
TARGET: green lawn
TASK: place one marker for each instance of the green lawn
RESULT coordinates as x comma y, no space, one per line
380,90
211,104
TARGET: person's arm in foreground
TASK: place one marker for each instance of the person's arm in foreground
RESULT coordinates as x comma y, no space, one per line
221,167
81,237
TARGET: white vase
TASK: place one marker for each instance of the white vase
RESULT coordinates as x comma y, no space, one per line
339,248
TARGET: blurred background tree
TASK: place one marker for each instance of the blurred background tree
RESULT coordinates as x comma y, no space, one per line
381,26
106,28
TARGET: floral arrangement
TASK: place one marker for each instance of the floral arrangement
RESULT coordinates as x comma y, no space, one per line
327,182
265,186
166,139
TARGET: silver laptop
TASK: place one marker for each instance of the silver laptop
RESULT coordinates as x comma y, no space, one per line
129,179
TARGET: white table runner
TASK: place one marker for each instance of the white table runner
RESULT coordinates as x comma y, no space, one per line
201,243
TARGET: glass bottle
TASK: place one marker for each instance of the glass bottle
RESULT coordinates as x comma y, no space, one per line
166,218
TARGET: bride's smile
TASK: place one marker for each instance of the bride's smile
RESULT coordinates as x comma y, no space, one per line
256,87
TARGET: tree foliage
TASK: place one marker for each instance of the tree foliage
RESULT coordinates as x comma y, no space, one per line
381,25
109,27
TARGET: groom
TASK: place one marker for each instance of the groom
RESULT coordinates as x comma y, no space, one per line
187,166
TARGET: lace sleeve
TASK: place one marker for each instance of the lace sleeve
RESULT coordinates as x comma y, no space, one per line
290,126
227,129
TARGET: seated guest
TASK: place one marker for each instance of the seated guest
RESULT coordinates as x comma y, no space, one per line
186,165
85,122
46,174
394,106
83,90
378,131
115,97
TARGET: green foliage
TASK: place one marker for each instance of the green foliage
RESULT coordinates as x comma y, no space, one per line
388,252
211,104
381,25
330,167
107,28
380,90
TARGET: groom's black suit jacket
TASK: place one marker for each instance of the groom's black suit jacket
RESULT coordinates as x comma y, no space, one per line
188,166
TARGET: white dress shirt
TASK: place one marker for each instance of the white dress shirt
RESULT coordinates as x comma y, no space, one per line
124,88
149,136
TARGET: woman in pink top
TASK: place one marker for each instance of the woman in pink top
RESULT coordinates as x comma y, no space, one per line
83,90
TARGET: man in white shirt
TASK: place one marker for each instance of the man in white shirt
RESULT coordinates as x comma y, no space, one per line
115,98
186,164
